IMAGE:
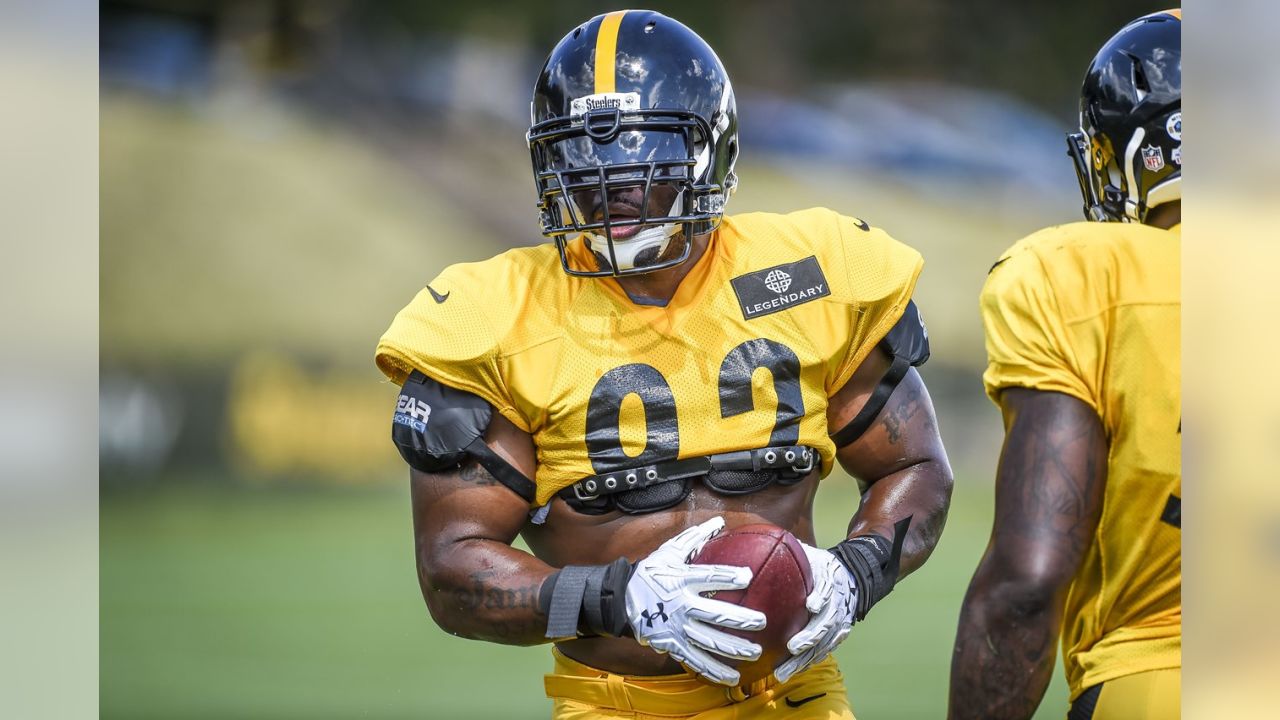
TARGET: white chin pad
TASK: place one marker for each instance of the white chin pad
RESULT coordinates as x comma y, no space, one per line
651,242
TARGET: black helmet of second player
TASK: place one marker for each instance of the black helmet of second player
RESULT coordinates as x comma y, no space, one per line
635,104
1128,153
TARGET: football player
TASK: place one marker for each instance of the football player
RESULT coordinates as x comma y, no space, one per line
1082,331
657,372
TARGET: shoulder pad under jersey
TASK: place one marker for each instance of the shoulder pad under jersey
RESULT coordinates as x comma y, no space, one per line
909,338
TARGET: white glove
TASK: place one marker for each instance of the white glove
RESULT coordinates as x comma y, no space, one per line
831,605
668,615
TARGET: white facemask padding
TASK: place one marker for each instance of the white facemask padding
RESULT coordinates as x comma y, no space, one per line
626,251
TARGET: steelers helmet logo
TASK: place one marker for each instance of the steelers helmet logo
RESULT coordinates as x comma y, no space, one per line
777,281
1173,126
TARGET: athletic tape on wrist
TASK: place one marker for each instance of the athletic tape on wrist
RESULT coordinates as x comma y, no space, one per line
873,560
567,590
592,596
586,600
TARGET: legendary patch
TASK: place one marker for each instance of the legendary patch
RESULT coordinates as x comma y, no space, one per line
775,289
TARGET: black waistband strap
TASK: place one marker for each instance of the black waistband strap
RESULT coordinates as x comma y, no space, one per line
789,460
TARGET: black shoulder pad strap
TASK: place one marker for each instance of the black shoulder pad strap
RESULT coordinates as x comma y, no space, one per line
908,344
436,427
867,415
502,471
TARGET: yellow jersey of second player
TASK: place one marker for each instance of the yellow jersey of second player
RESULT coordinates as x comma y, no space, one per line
768,324
1094,310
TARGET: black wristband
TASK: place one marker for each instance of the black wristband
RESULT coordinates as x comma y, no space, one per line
872,560
585,601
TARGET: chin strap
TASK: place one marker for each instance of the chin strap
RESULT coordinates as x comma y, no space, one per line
585,601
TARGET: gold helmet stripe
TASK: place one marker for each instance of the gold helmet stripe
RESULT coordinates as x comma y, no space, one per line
607,51
1176,12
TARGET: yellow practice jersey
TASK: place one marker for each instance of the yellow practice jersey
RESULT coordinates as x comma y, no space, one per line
769,323
1094,310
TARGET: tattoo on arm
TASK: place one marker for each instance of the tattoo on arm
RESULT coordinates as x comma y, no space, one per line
1050,477
1049,491
476,585
497,608
498,604
475,474
902,472
486,592
897,415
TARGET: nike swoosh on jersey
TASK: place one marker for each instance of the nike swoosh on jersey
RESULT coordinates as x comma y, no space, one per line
797,703
437,296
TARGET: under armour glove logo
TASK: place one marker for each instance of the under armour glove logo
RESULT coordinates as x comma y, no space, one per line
670,614
649,617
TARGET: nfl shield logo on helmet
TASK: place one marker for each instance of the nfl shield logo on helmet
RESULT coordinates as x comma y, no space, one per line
1153,157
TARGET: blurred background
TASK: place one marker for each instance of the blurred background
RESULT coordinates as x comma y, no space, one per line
278,178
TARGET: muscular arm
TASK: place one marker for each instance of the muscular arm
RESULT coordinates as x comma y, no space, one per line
476,585
1049,489
899,462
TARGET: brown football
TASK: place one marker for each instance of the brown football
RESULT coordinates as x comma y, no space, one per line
780,581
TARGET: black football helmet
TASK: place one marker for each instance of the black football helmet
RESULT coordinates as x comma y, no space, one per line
1128,152
632,108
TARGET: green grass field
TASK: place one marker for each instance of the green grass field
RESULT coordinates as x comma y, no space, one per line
253,603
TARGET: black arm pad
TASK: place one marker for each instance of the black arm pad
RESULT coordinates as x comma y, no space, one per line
436,427
909,338
873,562
585,601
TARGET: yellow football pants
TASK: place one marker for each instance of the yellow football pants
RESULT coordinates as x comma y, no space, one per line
1155,695
580,692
